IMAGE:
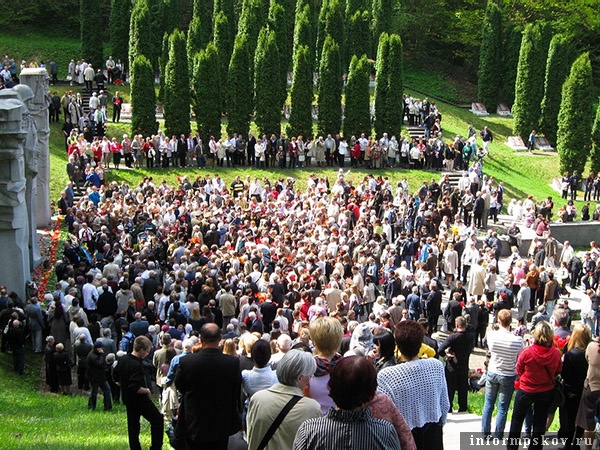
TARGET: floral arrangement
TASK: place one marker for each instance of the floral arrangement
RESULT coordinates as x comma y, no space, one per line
41,275
561,343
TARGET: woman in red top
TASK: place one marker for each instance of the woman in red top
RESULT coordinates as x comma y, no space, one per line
537,368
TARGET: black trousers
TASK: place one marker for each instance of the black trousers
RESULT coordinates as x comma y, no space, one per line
458,381
220,444
429,436
142,406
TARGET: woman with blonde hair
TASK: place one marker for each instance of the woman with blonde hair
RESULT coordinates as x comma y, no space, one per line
575,367
228,347
537,368
326,334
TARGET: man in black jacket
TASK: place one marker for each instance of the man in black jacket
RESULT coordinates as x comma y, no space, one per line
96,374
457,349
433,307
129,375
210,384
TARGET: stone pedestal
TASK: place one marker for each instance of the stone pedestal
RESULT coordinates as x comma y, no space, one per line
14,217
37,79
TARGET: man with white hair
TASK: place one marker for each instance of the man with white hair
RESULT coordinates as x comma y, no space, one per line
395,312
283,345
187,350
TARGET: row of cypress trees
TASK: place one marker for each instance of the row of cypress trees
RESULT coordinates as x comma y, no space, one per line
244,75
552,87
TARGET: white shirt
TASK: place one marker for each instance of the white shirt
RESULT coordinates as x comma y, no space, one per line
90,296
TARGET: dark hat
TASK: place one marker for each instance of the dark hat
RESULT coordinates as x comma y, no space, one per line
98,344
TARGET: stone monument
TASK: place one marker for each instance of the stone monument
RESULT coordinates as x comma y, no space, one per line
31,153
37,79
14,217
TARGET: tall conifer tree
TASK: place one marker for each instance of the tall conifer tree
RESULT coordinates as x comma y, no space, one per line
329,90
143,98
489,80
176,99
358,116
575,117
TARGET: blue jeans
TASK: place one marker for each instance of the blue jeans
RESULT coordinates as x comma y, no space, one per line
499,387
105,391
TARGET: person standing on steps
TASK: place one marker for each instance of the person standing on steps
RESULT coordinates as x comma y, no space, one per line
117,101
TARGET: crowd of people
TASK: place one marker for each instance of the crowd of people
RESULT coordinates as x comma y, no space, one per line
306,318
243,279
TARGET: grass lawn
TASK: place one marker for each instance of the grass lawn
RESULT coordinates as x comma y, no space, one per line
49,421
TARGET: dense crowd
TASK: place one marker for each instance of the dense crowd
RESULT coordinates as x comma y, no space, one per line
334,270
259,303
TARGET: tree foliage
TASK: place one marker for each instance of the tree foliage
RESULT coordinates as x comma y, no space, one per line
510,61
382,20
329,90
227,8
358,37
560,58
172,17
330,24
277,23
223,41
239,87
120,18
357,115
157,30
176,100
266,63
206,92
529,87
575,117
163,60
303,31
143,98
140,36
489,80
595,153
250,21
203,9
91,44
382,77
395,100
194,41
301,94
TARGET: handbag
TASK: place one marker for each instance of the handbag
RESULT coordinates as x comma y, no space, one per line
284,412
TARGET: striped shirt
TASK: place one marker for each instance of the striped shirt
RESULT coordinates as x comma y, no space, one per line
351,430
504,348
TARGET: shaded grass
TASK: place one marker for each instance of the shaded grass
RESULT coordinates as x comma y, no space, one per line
48,421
